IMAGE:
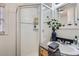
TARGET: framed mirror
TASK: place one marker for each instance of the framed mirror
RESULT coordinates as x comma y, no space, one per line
66,14
77,14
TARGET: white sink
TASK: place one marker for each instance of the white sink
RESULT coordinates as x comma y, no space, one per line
67,49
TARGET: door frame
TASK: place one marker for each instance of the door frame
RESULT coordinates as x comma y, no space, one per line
18,26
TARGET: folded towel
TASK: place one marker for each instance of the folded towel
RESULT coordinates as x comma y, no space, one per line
53,45
52,50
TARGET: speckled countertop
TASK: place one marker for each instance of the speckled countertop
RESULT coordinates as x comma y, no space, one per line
44,45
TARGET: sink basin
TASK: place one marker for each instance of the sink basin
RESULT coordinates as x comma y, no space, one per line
67,49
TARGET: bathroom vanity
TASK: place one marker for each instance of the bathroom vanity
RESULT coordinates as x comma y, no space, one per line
65,49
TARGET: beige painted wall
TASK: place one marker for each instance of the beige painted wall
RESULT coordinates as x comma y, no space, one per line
8,41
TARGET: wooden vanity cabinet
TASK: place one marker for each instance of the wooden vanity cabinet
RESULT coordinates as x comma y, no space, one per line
43,52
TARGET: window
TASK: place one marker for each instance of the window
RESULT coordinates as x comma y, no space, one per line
1,19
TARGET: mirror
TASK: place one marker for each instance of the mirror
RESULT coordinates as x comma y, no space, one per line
66,14
77,13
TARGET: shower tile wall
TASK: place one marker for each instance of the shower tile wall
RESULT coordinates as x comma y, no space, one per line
68,33
45,35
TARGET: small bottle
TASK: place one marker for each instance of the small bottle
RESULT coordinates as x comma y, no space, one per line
78,44
76,39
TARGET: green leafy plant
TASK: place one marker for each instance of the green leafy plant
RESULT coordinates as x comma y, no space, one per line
54,24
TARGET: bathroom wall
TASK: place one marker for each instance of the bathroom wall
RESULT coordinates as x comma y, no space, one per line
8,40
69,33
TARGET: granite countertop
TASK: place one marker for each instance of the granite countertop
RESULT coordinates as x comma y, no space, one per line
44,45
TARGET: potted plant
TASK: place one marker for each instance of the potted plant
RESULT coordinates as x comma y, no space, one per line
54,24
